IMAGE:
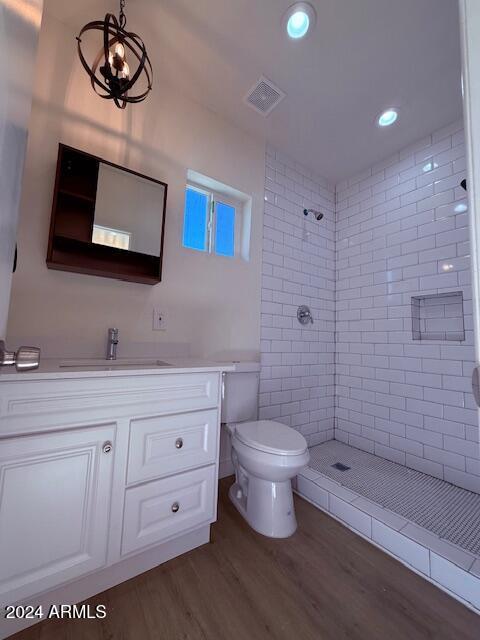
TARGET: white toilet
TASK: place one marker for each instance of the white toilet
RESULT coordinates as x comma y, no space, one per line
266,456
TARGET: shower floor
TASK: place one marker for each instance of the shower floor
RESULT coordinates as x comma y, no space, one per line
448,511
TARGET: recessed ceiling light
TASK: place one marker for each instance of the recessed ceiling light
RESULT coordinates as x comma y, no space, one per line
461,208
298,24
299,19
387,118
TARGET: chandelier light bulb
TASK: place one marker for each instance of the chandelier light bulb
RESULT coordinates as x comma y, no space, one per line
120,50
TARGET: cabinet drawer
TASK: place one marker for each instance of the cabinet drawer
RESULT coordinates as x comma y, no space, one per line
32,405
165,508
164,445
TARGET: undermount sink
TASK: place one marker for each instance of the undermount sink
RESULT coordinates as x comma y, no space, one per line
120,362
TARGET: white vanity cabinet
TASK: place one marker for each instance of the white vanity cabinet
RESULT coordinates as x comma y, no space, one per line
102,476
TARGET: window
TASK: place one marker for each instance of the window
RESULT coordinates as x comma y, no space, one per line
225,229
210,222
195,223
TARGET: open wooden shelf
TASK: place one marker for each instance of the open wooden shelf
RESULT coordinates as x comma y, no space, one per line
74,194
70,254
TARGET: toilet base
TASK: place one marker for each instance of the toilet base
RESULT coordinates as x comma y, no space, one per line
268,506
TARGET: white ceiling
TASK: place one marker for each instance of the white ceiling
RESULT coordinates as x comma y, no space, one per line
363,56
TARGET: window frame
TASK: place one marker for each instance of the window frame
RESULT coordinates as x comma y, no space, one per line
214,197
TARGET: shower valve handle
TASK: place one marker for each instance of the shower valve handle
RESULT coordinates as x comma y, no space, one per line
304,315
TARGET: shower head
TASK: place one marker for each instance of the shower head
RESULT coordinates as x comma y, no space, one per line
317,214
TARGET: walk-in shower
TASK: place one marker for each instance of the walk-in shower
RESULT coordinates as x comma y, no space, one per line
380,385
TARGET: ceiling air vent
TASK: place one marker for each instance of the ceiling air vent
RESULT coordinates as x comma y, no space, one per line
264,96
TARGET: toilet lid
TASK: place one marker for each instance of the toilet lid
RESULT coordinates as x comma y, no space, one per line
272,437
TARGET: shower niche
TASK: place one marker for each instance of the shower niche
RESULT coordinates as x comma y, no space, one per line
438,317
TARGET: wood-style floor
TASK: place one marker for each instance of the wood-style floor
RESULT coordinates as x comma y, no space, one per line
324,583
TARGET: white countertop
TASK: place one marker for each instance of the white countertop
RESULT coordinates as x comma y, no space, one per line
51,368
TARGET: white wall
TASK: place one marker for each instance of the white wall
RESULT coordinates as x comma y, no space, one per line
297,377
402,231
19,27
210,303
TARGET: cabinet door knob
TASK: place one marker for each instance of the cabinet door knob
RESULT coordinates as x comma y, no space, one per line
179,443
107,447
175,507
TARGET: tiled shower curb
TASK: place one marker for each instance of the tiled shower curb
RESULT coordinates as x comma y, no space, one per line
448,567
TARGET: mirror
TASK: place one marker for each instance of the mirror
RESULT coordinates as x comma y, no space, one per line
121,197
106,220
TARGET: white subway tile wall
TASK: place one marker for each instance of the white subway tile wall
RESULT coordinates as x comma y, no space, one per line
297,376
399,230
402,232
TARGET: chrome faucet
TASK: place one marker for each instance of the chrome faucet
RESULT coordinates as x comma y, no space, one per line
112,344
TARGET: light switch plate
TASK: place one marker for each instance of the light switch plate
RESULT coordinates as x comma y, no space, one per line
159,322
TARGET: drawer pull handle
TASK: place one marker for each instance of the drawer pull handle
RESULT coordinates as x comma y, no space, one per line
175,507
107,447
179,443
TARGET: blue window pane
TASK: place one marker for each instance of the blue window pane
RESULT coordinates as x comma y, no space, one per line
195,220
225,230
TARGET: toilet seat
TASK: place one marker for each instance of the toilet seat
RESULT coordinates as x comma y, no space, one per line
271,437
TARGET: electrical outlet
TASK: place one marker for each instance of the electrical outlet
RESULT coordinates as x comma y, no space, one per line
159,320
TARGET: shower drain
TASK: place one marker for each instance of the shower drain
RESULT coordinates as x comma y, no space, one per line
340,467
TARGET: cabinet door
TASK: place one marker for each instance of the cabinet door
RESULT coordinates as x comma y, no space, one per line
54,508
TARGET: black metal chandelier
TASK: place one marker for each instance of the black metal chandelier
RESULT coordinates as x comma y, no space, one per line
111,76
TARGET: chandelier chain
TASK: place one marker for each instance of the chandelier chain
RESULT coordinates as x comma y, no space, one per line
122,17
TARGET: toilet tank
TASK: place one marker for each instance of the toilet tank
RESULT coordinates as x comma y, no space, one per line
240,393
